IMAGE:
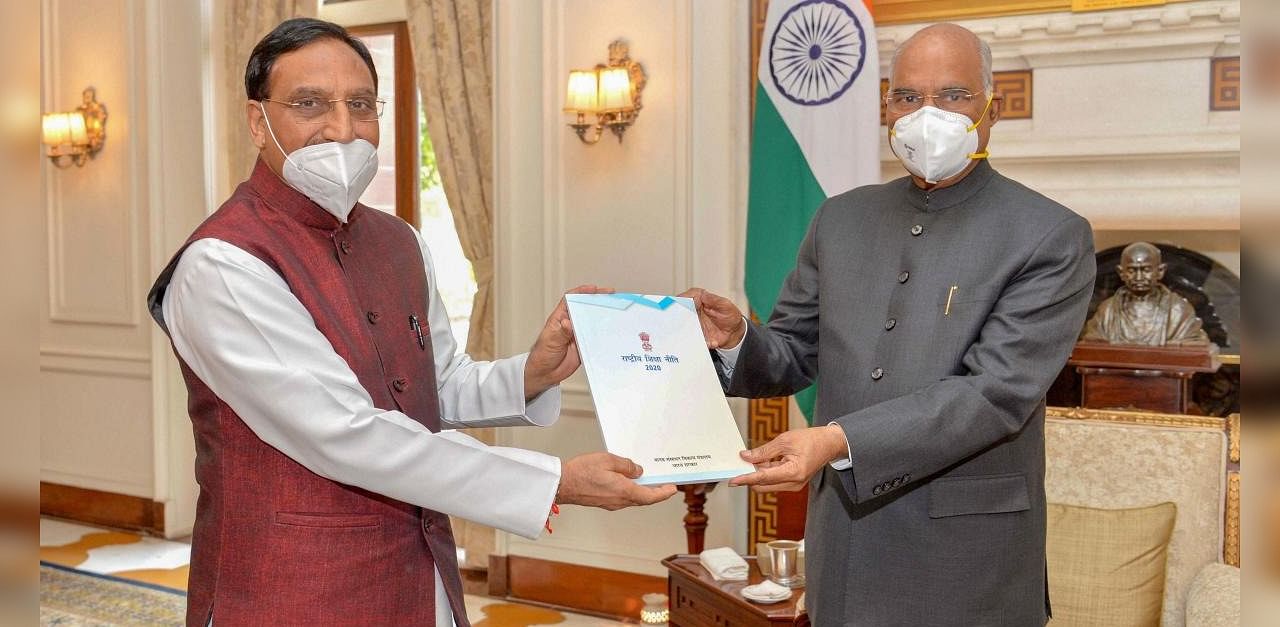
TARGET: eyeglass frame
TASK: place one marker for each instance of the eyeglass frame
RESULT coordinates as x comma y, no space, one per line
379,106
888,99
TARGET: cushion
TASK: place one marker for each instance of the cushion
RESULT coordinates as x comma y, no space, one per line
1099,463
1214,597
1106,566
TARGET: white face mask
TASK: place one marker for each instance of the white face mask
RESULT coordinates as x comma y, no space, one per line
333,175
936,145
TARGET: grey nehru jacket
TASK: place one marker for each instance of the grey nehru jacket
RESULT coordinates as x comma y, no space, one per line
933,324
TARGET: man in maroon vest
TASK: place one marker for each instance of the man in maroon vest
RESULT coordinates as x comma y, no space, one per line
321,368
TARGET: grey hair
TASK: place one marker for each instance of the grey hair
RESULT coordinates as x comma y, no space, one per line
984,54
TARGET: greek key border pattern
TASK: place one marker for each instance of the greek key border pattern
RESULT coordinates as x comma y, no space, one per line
766,419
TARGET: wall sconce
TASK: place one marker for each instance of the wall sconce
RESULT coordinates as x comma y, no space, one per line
611,91
76,136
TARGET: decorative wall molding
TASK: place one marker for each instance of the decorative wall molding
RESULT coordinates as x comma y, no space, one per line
557,183
902,11
125,309
121,364
1184,30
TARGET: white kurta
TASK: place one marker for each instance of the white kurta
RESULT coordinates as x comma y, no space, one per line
240,329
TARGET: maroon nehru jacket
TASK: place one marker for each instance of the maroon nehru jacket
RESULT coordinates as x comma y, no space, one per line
275,543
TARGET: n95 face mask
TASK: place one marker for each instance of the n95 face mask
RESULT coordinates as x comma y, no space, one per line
936,145
333,175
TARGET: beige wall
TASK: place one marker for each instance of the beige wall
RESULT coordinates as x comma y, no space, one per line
112,411
657,213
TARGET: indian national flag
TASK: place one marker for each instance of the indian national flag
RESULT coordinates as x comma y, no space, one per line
816,132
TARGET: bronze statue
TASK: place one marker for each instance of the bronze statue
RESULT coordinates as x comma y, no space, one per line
1144,311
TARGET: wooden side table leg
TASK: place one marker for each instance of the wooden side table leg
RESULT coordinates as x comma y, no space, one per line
695,520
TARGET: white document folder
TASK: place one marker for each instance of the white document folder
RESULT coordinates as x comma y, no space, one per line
656,392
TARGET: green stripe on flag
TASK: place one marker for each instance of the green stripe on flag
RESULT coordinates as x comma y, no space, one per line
784,194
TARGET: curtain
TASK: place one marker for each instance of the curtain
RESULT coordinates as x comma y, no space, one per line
451,52
247,22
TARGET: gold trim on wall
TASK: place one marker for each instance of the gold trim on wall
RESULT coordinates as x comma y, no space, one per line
905,11
1153,419
1231,535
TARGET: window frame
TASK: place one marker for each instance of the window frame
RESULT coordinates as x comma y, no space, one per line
405,109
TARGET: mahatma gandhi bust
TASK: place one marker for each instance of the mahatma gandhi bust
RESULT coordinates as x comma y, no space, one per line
1144,311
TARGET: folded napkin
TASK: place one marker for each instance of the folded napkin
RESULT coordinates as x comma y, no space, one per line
724,564
767,590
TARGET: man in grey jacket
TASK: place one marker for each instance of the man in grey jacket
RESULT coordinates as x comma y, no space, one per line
933,311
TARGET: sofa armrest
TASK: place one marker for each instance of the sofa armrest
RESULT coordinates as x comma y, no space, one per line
1213,600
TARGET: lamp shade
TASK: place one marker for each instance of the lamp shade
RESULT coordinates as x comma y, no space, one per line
615,89
56,128
581,94
76,128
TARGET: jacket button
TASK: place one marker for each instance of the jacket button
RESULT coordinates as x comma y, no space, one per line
345,247
906,477
373,317
903,276
877,490
400,384
877,374
896,482
916,230
890,323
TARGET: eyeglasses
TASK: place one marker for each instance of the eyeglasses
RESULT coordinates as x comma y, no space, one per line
955,100
316,110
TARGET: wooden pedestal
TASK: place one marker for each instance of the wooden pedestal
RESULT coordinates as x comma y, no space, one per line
1154,378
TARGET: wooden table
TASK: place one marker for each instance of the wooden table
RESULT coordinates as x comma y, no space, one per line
698,600
1155,378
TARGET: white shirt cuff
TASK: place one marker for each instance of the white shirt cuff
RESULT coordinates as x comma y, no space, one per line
847,462
729,356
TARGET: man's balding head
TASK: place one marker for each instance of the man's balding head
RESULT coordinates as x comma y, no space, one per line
953,38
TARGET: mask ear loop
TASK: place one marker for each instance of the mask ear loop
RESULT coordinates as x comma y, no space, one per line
986,153
272,132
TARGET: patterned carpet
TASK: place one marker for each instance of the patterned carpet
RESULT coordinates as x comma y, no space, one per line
91,576
73,597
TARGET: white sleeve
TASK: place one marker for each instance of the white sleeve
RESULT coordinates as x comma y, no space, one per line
240,329
479,393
